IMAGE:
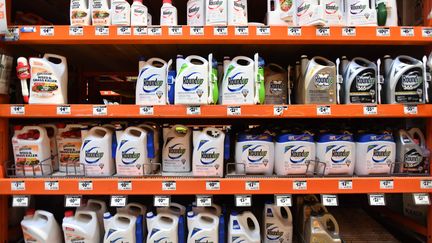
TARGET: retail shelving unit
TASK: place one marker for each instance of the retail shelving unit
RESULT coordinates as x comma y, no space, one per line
65,35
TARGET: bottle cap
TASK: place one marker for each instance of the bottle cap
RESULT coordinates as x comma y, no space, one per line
69,213
167,1
30,212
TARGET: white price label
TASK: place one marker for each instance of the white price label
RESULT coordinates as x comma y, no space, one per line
382,32
427,32
193,110
47,30
72,201
323,31
12,34
124,185
63,110
283,200
154,30
203,201
252,185
377,200
407,32
52,186
421,199
220,30
329,200
140,30
19,201
85,185
300,185
212,185
124,30
147,110
118,201
18,186
76,31
196,30
100,110
278,110
410,110
243,200
233,110
323,110
242,30
162,201
294,31
426,184
17,110
386,184
102,30
169,186
263,30
345,185
370,110
349,31
175,30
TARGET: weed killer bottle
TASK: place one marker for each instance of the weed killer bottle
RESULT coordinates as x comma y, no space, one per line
120,12
168,14
139,13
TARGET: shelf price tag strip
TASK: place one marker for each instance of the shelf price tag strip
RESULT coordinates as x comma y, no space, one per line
426,184
410,110
73,201
100,110
233,110
323,110
101,30
376,200
124,186
382,32
118,201
52,186
47,30
407,32
387,184
427,32
283,200
64,110
17,110
263,30
323,31
370,110
20,201
213,185
140,30
294,31
193,110
175,30
300,185
220,30
196,30
329,200
349,31
169,186
18,186
204,200
242,30
162,201
147,110
345,185
252,185
85,185
124,30
154,30
421,199
76,31
243,200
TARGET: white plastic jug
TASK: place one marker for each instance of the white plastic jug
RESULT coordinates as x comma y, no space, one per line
69,141
337,152
151,88
49,80
208,152
79,13
136,209
360,13
195,13
238,85
411,151
41,226
278,224
376,154
310,12
162,227
32,153
154,129
203,227
168,14
101,12
216,12
174,208
52,132
177,150
239,230
281,13
322,228
99,207
120,13
139,13
294,153
96,152
237,12
84,227
121,227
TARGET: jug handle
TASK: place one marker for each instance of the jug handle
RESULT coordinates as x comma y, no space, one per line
101,204
288,212
84,212
44,214
416,131
212,129
61,58
155,59
137,206
251,216
236,59
330,217
42,131
191,58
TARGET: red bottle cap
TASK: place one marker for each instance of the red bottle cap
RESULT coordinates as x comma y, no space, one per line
167,1
30,212
69,213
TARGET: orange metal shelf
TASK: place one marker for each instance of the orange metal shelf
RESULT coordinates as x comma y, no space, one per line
278,35
216,111
228,186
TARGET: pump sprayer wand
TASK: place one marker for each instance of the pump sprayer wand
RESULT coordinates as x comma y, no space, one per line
23,73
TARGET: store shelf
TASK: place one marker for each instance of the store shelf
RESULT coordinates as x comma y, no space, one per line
231,35
228,186
215,111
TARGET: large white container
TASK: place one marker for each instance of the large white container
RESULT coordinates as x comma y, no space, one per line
203,227
41,226
79,13
49,80
237,12
337,152
310,12
195,13
281,13
32,153
121,226
240,231
83,226
168,14
96,152
208,152
139,13
376,154
52,132
69,141
99,207
277,227
177,150
293,152
120,12
238,85
163,226
360,13
101,12
216,12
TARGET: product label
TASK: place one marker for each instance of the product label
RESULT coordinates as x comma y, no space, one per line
274,234
359,13
296,156
321,88
168,17
276,89
100,15
27,160
153,86
175,157
193,87
216,12
72,236
414,161
239,15
44,84
409,87
131,160
95,159
256,158
195,13
338,158
239,89
363,87
120,13
379,158
78,13
69,155
28,237
209,161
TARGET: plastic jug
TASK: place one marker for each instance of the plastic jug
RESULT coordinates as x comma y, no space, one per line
278,224
376,154
216,12
177,150
138,210
32,153
52,132
41,226
276,84
213,209
101,13
49,80
97,152
174,208
162,227
254,154
404,80
360,13
79,13
238,82
154,129
310,12
195,13
293,153
317,81
99,207
168,14
84,227
239,229
69,141
360,81
208,152
337,152
281,13
120,13
411,151
121,227
387,14
322,228
203,227
237,12
151,86
139,13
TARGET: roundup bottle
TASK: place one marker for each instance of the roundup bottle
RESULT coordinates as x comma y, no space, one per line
99,207
240,230
276,84
278,224
83,227
208,152
360,13
168,14
322,228
32,154
162,227
138,210
310,12
52,132
49,80
40,226
376,154
120,227
203,227
195,13
237,12
139,13
333,12
97,152
120,12
79,13
281,13
176,152
293,152
101,13
411,151
69,141
216,12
